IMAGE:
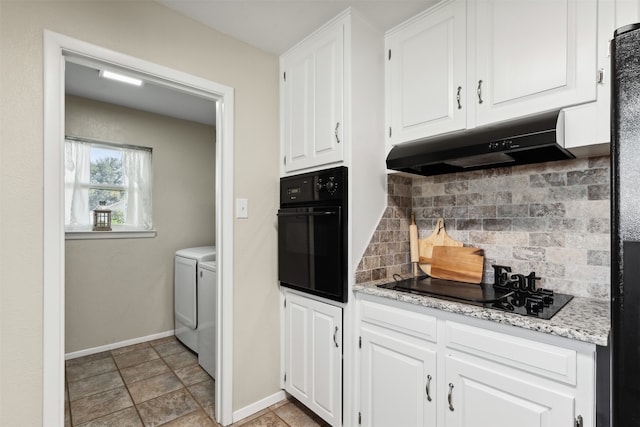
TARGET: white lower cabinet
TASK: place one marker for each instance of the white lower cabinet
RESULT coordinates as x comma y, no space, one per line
398,366
313,355
398,380
479,396
426,367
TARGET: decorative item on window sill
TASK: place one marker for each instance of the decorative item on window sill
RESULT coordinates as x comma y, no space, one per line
102,218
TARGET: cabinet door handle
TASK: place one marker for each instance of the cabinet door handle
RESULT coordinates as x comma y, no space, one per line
335,333
450,396
426,389
479,91
336,132
458,97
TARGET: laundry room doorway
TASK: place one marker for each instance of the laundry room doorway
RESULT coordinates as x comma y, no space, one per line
61,52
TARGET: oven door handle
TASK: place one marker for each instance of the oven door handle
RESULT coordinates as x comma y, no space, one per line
307,213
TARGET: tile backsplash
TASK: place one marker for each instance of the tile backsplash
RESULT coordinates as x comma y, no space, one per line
551,218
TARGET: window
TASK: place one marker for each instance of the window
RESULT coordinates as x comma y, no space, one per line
119,175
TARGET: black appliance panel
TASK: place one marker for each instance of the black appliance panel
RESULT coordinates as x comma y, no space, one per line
312,233
483,295
310,250
527,140
515,293
625,227
327,186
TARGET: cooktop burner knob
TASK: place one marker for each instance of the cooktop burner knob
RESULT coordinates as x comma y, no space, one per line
319,186
534,306
331,186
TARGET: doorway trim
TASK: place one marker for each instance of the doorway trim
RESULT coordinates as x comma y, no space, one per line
56,47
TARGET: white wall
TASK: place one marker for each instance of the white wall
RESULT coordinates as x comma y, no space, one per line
123,288
149,31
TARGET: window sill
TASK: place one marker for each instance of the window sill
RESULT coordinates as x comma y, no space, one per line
98,235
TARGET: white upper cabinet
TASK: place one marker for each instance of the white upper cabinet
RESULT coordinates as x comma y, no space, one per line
312,100
426,74
463,64
532,56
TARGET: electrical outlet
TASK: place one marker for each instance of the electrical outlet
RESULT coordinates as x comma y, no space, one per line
242,208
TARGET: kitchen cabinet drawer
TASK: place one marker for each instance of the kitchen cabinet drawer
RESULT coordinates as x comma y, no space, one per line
419,325
545,360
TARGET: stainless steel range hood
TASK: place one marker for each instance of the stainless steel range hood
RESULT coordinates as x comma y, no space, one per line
534,139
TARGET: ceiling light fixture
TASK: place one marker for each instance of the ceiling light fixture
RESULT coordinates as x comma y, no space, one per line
120,77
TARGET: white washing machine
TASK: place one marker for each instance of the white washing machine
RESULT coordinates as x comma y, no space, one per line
186,292
207,309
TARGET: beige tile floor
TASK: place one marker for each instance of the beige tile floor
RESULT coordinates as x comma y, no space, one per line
156,383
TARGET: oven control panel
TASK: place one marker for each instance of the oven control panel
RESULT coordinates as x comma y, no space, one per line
324,185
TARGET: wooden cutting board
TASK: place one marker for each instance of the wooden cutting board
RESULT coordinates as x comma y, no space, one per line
439,237
456,263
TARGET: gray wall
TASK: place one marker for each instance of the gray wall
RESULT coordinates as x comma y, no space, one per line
551,218
119,289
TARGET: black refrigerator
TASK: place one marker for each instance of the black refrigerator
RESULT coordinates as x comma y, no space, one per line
625,227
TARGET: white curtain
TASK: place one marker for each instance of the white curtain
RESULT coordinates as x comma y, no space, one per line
137,183
77,180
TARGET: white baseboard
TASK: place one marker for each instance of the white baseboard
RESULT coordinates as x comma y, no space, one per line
258,406
106,347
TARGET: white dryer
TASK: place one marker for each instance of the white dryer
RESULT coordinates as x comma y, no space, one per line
207,309
186,292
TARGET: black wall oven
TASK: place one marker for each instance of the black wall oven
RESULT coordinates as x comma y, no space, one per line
312,233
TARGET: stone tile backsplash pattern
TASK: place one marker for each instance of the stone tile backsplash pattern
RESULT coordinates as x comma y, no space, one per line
551,218
388,252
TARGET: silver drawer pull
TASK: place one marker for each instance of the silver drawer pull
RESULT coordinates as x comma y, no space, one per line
426,389
479,91
458,97
449,397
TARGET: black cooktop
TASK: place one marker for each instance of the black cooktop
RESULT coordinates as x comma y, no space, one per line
514,293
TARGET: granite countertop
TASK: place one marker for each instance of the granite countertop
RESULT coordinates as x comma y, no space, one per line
582,319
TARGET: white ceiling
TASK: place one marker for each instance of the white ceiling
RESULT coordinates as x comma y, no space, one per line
277,25
85,81
270,25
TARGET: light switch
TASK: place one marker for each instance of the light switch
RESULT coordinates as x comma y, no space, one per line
242,208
